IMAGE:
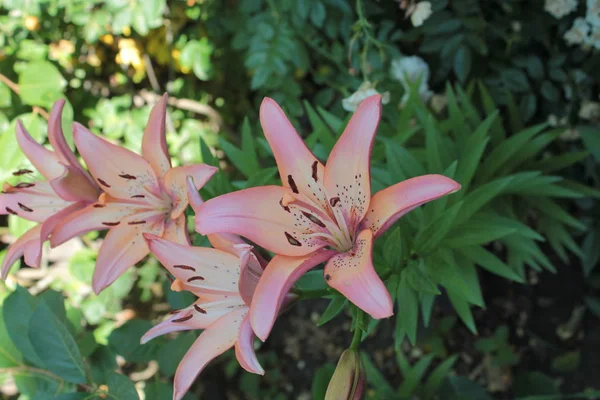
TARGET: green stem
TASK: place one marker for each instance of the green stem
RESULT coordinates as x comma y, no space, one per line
356,339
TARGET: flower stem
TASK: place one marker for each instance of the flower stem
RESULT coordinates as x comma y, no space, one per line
356,338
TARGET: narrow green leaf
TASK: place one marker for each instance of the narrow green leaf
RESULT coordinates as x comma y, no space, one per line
406,322
427,300
436,378
463,310
418,279
414,376
335,306
490,262
383,389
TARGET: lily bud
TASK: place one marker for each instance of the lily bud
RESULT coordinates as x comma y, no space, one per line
348,380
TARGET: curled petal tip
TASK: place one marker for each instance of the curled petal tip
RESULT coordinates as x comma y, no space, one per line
149,237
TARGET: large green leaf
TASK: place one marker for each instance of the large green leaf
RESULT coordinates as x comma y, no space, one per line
55,346
40,84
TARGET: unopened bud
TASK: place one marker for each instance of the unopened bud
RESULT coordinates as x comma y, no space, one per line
348,380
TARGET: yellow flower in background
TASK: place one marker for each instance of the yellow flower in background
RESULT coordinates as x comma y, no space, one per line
32,23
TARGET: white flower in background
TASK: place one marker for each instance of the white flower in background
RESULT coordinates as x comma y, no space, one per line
579,32
560,8
365,90
593,12
419,13
594,38
590,111
408,70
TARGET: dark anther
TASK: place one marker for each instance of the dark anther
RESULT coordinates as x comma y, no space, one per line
136,222
24,207
22,172
183,319
293,241
103,183
327,277
11,211
138,196
99,205
333,201
174,311
286,208
314,219
292,184
127,176
24,185
314,171
196,278
186,267
199,309
111,223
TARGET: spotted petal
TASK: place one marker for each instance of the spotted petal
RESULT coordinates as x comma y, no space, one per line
154,142
257,214
353,275
298,167
176,184
278,278
199,315
198,268
94,217
389,204
214,341
122,248
35,201
119,172
347,174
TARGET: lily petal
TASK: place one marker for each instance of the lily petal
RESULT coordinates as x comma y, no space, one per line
276,281
193,195
176,184
35,201
75,185
347,174
61,148
389,204
122,248
199,315
353,275
298,167
42,159
244,349
176,231
256,214
214,341
97,216
29,244
198,268
119,172
154,142
250,273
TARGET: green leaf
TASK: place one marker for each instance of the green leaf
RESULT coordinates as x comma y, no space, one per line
591,251
461,388
593,304
412,374
125,340
419,280
437,376
40,84
462,63
18,309
490,262
394,249
406,322
318,14
322,376
172,352
431,236
477,232
121,388
481,196
335,306
262,178
382,388
55,346
463,310
196,55
9,354
5,96
591,139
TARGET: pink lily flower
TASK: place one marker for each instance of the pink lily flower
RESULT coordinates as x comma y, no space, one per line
67,189
224,280
143,194
320,214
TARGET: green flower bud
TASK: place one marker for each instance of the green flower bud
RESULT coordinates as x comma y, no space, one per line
348,380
